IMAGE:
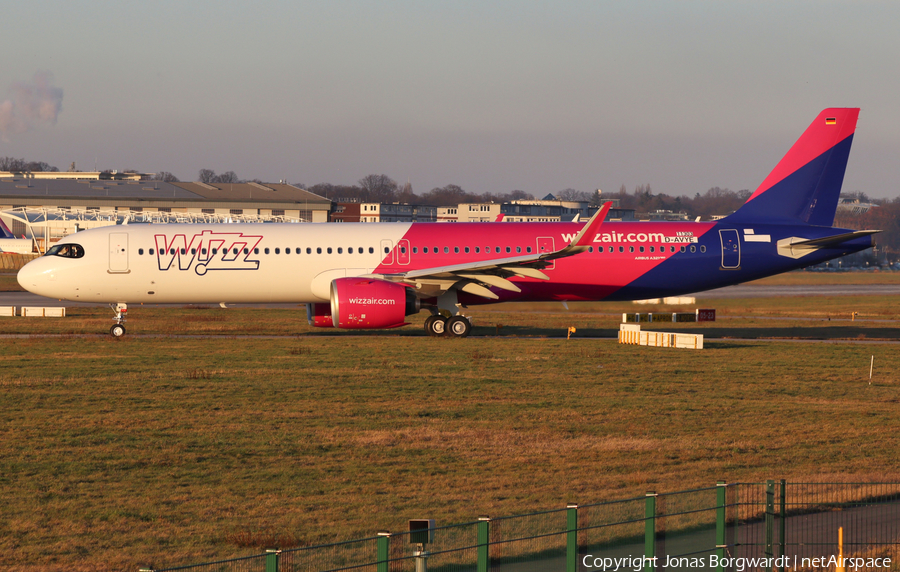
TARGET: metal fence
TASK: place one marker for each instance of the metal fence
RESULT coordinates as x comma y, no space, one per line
771,526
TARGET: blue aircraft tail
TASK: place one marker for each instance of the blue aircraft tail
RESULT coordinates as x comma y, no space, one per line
806,184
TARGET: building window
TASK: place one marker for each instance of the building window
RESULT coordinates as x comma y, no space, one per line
236,211
208,211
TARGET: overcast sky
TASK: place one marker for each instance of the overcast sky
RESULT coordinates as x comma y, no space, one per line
491,96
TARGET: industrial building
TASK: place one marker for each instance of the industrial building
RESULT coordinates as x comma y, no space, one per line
36,205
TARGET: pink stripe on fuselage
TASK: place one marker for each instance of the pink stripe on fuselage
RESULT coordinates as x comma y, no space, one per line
586,276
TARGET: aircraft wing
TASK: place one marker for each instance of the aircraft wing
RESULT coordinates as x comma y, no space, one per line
477,277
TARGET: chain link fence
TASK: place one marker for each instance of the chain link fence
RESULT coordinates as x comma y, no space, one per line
742,527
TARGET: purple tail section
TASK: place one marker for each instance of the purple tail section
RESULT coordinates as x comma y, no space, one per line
4,231
806,184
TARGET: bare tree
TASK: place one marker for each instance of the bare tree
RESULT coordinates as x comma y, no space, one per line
227,177
165,177
206,176
448,195
573,195
379,187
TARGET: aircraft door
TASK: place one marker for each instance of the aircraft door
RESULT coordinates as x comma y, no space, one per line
387,252
731,248
118,252
545,245
403,252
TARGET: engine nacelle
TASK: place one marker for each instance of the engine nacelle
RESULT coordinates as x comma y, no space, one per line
319,315
366,303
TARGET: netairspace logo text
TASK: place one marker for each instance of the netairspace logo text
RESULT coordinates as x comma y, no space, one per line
741,564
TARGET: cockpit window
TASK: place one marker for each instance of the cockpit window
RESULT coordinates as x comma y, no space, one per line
67,250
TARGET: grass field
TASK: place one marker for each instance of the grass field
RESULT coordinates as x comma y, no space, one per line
173,450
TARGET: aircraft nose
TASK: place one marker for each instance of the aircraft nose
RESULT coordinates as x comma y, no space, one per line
34,275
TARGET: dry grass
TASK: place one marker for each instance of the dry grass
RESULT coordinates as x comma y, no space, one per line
116,453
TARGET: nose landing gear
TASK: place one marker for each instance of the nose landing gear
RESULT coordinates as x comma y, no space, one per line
118,330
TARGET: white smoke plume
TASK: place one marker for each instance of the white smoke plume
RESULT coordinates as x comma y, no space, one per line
30,105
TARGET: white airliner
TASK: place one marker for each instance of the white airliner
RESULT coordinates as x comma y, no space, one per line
367,276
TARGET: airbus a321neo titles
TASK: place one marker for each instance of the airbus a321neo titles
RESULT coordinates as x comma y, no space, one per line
366,276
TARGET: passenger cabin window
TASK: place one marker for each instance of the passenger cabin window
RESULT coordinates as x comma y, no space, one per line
66,250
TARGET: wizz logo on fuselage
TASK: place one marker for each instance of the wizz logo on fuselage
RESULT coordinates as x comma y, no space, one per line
207,251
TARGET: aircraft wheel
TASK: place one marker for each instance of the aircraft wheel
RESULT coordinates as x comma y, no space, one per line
436,325
459,326
117,331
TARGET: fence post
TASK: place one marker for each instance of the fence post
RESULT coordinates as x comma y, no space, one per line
781,525
650,531
721,488
572,537
272,555
382,551
770,521
483,563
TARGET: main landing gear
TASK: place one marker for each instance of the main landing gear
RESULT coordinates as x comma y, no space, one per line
452,327
118,330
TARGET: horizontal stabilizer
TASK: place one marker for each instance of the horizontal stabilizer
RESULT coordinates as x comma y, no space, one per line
835,240
795,247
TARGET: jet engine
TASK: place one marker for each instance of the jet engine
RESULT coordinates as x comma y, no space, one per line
365,303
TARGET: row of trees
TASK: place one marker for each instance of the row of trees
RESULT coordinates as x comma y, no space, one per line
715,201
381,188
13,164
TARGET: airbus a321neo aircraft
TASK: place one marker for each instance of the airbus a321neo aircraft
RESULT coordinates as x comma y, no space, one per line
363,276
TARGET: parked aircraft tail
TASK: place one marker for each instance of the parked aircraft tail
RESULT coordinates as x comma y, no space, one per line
805,185
4,231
